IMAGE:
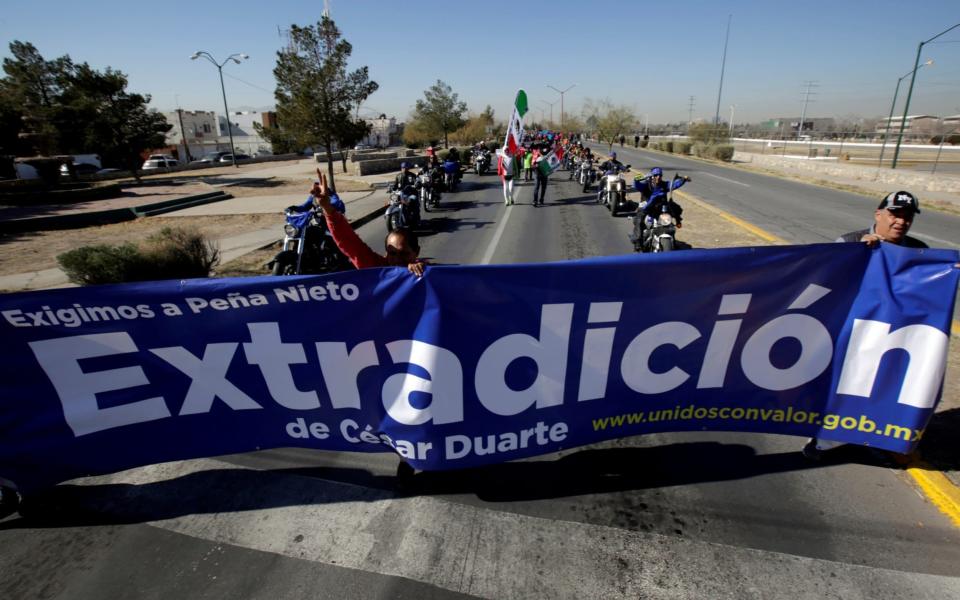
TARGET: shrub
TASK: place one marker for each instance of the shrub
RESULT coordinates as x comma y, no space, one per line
177,253
723,152
173,253
699,149
644,143
94,265
682,147
654,145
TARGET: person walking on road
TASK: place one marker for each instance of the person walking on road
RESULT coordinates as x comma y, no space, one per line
508,168
540,187
527,164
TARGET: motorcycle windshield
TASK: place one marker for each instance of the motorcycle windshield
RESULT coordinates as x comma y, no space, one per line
299,220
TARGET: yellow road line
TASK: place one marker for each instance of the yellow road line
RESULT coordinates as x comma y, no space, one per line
766,235
938,489
735,220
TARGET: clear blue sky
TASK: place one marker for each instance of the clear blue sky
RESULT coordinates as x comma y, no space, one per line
649,56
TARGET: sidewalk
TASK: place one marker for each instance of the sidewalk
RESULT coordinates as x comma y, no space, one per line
938,190
361,207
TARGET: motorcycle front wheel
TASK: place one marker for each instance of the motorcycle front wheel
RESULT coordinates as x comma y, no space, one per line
666,244
284,267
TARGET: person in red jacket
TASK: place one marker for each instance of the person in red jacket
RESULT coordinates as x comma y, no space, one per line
402,247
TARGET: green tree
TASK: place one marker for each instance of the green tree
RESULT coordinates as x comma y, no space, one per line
440,111
34,86
315,94
66,108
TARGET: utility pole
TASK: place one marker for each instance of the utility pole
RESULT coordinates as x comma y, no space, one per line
693,100
561,92
732,107
183,136
723,66
806,99
550,104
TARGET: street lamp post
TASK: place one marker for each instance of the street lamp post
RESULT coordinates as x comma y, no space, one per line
732,107
561,92
550,104
235,58
896,91
906,108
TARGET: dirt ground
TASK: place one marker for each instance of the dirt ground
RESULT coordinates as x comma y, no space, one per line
288,185
38,250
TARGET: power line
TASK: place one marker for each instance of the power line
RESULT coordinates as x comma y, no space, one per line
257,87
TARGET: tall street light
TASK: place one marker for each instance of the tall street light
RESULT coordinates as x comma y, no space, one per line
235,58
550,104
916,66
561,92
896,91
732,108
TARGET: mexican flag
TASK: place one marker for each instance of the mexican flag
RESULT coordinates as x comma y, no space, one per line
551,162
515,130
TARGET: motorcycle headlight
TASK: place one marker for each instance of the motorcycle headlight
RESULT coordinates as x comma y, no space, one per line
666,219
290,231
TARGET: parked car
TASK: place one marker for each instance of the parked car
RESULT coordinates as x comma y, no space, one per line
157,161
80,169
210,157
228,158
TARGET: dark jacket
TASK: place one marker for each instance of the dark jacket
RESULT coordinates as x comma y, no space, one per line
854,236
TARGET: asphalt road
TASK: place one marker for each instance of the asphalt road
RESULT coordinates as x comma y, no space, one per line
689,515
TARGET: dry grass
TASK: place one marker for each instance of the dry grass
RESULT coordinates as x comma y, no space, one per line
38,250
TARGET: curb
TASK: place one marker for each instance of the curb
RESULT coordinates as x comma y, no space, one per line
110,216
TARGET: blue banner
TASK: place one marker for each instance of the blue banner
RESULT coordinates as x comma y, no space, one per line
477,364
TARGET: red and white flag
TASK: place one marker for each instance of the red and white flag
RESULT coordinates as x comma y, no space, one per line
515,128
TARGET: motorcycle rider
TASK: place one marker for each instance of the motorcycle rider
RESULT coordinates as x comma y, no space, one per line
401,245
405,177
654,194
612,165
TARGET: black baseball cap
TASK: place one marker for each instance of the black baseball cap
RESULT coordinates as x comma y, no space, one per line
899,201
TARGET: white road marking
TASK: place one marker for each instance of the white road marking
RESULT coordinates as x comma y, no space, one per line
473,550
937,241
728,180
488,255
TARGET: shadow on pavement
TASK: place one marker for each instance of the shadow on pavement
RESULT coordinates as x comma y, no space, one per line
940,446
590,471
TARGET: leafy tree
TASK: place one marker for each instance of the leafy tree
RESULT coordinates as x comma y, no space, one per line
315,94
348,134
476,128
66,108
417,134
441,111
609,120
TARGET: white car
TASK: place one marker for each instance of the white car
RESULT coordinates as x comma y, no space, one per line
159,161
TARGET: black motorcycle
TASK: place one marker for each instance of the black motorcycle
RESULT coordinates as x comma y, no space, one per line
308,247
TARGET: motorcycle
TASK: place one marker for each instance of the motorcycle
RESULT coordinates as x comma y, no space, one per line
403,209
613,190
428,189
451,175
588,175
481,161
659,234
308,247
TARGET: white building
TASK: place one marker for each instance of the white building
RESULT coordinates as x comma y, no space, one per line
384,132
206,131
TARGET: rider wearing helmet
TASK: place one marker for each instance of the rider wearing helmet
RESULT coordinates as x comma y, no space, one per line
612,164
405,177
654,193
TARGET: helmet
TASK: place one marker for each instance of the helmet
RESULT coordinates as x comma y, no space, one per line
656,171
613,155
404,165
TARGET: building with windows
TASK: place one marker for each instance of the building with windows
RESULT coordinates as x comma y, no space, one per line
922,124
384,132
196,133
790,126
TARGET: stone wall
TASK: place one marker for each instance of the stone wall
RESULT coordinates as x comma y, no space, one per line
902,178
384,165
